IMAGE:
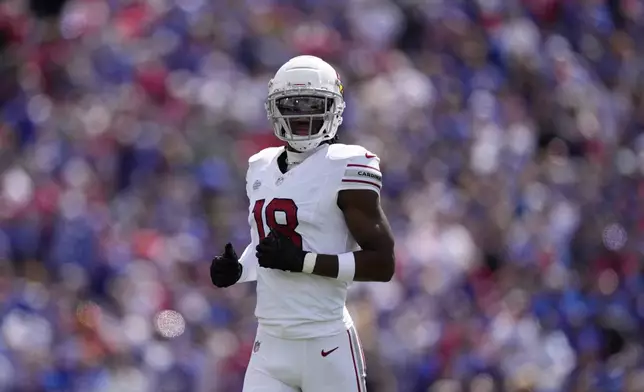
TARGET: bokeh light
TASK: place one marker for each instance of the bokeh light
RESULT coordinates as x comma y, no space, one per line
170,323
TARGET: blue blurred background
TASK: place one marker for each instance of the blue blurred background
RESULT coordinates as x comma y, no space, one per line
510,133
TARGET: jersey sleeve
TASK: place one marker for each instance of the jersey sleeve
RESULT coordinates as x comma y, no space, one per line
362,173
249,262
248,259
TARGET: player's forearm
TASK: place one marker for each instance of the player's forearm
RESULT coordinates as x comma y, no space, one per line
370,266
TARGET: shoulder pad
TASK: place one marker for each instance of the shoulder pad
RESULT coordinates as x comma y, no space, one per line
361,168
349,151
266,155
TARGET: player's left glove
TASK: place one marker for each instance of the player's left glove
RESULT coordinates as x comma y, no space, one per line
277,251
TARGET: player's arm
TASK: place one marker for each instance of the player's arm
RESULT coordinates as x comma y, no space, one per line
375,262
248,260
359,200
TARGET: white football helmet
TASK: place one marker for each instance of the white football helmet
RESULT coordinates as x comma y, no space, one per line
305,102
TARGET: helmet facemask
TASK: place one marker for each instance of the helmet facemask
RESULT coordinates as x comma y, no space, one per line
305,119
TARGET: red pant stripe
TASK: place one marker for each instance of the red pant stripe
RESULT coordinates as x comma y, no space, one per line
359,382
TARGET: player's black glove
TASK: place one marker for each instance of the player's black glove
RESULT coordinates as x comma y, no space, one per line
277,251
225,270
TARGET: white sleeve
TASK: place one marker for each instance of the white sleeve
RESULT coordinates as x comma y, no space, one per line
249,262
362,172
248,259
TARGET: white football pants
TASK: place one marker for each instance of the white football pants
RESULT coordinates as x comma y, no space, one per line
329,364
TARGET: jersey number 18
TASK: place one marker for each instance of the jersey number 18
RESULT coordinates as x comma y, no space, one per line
284,206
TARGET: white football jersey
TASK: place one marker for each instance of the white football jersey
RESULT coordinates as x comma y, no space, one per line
304,202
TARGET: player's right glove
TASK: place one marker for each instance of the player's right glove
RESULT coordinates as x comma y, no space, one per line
225,270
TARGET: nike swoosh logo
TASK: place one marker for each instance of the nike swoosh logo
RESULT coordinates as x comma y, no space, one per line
369,156
325,353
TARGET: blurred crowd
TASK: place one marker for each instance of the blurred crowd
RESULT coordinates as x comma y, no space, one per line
512,151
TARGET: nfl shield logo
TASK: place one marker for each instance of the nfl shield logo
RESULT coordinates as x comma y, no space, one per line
256,346
279,181
256,185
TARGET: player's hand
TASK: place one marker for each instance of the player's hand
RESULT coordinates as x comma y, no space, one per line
277,251
225,270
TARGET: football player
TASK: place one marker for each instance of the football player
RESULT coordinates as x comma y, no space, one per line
316,226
